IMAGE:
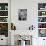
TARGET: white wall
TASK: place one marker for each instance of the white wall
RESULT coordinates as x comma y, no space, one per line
31,6
32,14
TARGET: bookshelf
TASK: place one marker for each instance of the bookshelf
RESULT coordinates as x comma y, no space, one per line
42,19
4,19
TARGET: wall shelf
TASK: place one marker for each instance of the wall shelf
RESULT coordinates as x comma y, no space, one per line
42,19
42,10
4,19
42,16
41,22
3,10
3,16
3,22
41,28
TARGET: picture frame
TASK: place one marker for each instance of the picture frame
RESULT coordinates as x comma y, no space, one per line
22,14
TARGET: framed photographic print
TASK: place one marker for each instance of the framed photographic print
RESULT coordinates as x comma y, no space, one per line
22,14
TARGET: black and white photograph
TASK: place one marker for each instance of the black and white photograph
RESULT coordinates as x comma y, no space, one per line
22,14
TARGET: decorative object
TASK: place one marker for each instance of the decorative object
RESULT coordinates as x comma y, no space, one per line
41,6
6,7
3,6
3,19
4,29
41,19
40,25
3,13
43,13
31,27
22,14
42,32
27,38
13,27
23,40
